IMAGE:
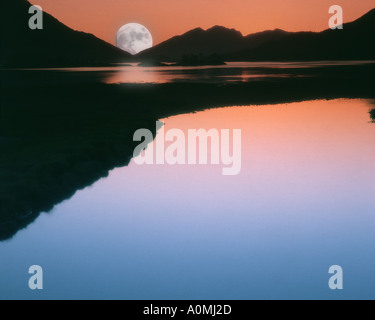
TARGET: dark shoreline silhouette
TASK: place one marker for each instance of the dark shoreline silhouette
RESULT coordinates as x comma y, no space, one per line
151,63
39,172
188,60
201,60
57,139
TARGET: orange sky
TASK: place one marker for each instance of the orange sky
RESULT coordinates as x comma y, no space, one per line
166,18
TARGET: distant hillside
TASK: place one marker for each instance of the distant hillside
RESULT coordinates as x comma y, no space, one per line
216,40
354,42
55,45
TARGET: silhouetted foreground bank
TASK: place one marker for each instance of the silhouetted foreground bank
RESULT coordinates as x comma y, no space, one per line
38,172
56,140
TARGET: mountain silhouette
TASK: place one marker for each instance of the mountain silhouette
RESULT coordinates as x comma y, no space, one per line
353,42
56,45
216,40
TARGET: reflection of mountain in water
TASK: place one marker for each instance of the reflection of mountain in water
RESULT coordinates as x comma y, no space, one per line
56,140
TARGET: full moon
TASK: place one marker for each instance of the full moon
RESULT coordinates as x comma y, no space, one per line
133,38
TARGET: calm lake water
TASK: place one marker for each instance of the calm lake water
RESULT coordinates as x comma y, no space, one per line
304,201
132,73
